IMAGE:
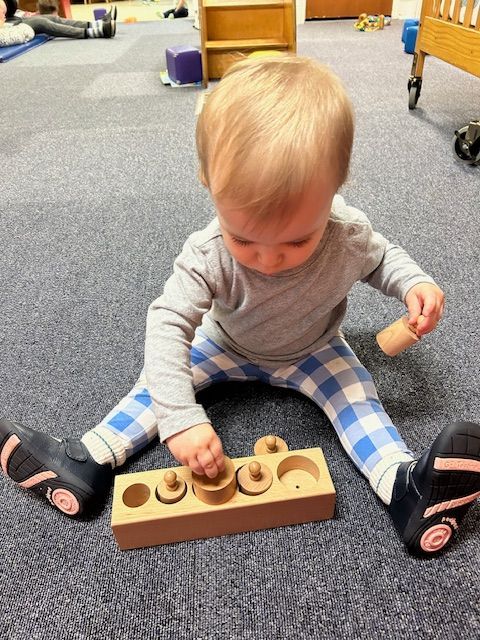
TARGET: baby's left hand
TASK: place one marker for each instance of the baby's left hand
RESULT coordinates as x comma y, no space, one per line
427,300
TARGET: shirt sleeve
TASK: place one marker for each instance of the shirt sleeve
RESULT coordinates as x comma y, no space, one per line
171,323
390,269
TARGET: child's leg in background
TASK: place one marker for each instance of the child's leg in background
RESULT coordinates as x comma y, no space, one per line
337,382
64,28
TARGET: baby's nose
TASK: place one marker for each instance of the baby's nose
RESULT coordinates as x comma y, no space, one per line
269,257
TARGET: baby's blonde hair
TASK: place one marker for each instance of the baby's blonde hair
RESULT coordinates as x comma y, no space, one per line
271,127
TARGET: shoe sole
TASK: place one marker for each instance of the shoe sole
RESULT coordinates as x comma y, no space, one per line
42,477
454,464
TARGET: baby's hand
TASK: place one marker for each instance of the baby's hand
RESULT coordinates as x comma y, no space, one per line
427,300
198,448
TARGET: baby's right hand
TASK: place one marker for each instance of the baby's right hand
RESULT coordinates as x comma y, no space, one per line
198,448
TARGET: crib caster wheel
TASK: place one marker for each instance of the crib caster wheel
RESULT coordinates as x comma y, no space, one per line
414,88
466,144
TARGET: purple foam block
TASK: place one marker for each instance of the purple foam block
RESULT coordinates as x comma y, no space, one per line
99,13
184,64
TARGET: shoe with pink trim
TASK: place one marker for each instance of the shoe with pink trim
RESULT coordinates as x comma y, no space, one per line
432,495
62,471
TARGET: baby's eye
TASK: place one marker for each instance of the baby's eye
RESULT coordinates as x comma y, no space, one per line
300,243
242,243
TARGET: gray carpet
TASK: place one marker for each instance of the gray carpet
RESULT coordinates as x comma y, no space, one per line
99,191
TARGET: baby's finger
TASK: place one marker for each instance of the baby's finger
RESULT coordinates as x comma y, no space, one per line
414,316
442,309
196,467
207,463
414,309
425,325
429,306
216,450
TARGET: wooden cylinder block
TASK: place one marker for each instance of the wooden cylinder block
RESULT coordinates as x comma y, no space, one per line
254,478
216,490
301,491
171,489
397,337
270,444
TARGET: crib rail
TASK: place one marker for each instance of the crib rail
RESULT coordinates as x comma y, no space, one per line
450,30
455,12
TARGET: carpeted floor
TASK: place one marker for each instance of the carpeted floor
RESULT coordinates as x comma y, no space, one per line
99,191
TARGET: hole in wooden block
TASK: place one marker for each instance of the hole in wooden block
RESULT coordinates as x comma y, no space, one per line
298,472
136,495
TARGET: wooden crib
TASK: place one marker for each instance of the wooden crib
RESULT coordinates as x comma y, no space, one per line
450,31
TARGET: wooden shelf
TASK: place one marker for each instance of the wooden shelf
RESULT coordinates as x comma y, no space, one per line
256,43
232,29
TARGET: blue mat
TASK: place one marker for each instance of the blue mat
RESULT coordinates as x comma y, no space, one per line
7,53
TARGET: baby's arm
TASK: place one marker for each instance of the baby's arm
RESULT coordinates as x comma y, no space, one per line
390,269
171,323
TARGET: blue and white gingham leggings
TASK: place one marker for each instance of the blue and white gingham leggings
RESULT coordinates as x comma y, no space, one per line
332,377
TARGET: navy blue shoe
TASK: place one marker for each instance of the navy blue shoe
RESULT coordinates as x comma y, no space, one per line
109,28
431,496
62,471
111,15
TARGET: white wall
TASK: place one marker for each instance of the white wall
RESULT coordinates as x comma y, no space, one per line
406,8
300,10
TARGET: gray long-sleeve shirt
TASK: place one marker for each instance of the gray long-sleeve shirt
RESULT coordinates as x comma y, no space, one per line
270,320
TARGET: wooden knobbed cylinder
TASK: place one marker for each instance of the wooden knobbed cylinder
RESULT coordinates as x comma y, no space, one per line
398,336
254,478
270,444
216,490
171,489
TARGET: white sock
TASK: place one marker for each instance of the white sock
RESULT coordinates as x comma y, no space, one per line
105,446
95,30
384,473
96,24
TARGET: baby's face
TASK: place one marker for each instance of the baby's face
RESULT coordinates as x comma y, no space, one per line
3,12
271,247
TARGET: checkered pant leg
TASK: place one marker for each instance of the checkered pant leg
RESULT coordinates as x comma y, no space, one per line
133,419
339,384
211,364
332,377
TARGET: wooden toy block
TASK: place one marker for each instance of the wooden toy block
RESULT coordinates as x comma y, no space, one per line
256,492
398,336
269,444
